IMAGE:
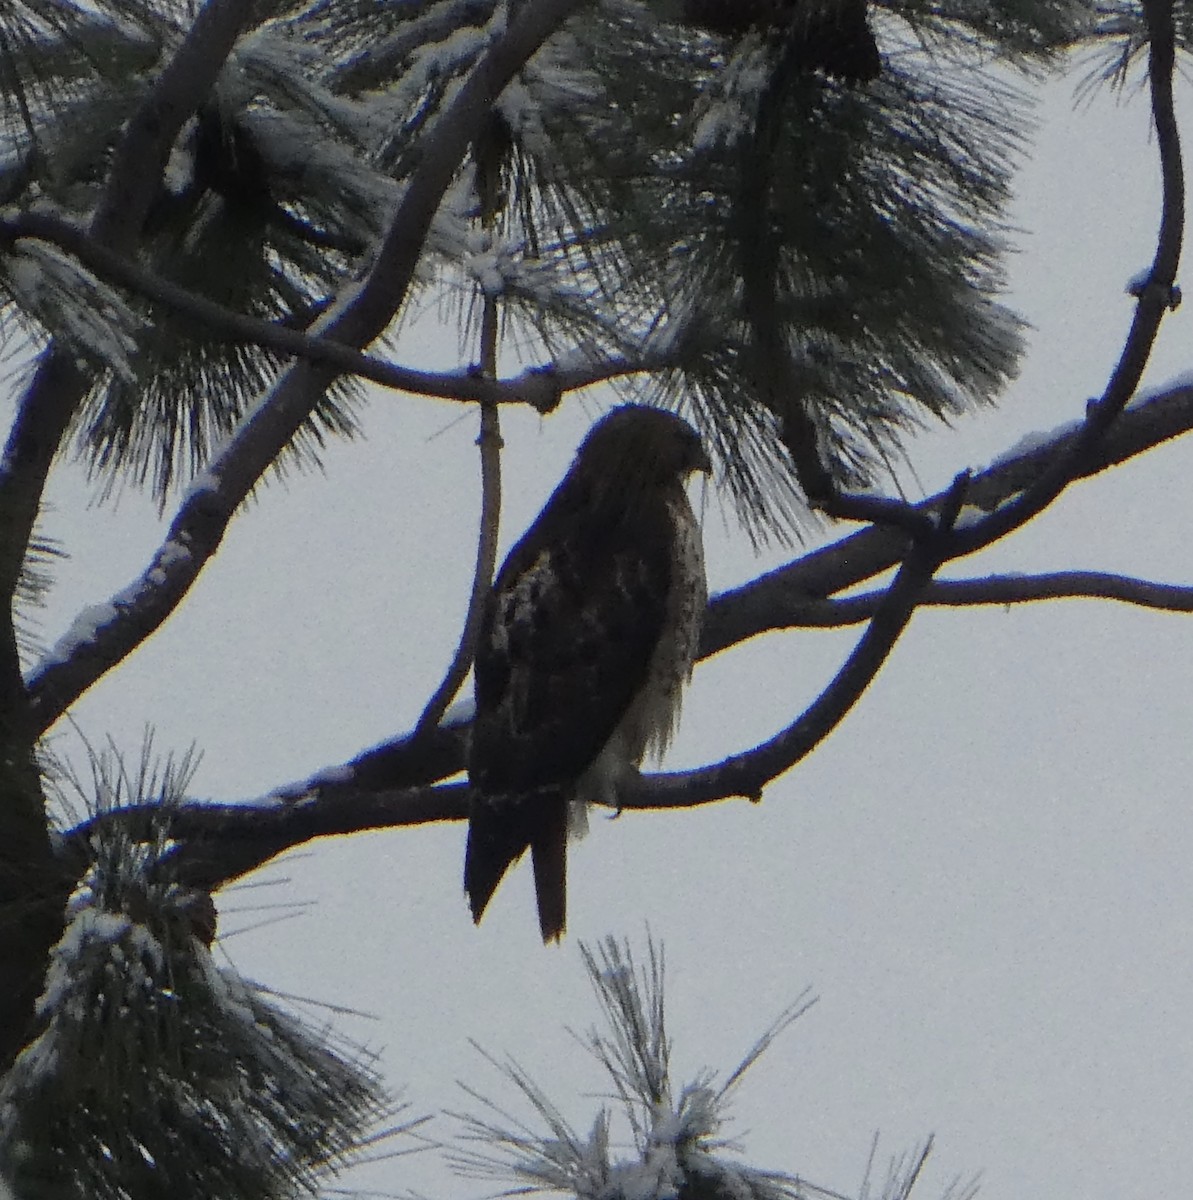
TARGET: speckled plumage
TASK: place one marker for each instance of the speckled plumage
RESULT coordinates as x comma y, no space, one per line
588,638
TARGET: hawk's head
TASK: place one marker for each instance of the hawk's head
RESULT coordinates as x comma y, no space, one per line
640,446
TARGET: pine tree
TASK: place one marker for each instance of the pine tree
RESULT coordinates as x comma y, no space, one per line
786,220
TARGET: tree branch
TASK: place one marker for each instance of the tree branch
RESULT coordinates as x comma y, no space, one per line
108,633
540,387
1002,590
221,842
490,445
764,603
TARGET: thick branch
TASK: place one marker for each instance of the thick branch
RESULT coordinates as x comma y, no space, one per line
113,631
764,603
221,842
382,788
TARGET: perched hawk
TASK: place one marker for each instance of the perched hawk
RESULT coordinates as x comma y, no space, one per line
588,637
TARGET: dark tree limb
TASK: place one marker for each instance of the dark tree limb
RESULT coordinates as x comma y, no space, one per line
110,632
1057,585
754,608
222,842
382,788
1001,590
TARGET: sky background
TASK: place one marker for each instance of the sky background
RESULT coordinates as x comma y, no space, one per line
983,874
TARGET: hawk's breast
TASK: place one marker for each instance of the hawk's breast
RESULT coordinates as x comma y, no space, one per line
650,721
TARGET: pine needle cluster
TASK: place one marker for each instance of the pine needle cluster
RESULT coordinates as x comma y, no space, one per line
157,1072
676,1148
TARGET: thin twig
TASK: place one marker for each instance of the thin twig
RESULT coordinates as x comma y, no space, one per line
1001,590
490,445
489,151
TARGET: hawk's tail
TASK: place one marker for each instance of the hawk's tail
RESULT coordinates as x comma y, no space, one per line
549,856
500,828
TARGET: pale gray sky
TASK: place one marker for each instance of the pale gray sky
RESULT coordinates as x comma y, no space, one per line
984,874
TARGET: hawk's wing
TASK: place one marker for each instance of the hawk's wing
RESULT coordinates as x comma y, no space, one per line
571,624
564,648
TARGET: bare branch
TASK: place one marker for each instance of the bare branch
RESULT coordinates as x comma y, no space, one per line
1002,590
486,545
540,387
764,603
359,317
1057,585
144,147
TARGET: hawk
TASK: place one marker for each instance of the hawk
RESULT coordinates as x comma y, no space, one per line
588,636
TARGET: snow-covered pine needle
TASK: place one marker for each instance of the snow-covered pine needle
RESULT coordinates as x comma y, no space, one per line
154,1072
672,1131
72,304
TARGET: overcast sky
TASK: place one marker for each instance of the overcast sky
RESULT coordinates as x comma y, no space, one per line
984,874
